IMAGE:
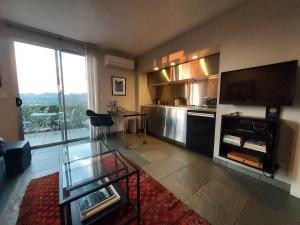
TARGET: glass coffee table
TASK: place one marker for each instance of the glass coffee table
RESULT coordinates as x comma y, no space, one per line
94,184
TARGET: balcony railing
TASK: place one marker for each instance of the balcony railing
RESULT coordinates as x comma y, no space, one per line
44,124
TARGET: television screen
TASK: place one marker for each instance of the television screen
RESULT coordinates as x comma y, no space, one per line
270,85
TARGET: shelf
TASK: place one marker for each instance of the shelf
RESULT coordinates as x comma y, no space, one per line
242,163
101,214
243,134
243,148
98,217
252,118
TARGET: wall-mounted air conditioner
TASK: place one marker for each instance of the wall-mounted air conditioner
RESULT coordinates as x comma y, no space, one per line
114,61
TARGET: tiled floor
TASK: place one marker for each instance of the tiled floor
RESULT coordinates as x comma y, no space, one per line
217,193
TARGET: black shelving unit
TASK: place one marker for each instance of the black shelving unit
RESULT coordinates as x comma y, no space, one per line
251,128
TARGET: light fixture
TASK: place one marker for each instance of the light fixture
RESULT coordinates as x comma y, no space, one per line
154,65
203,66
172,63
194,57
164,72
181,72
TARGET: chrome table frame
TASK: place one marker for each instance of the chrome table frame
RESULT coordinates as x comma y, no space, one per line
127,170
125,114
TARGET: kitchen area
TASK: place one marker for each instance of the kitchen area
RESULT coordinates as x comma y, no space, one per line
184,99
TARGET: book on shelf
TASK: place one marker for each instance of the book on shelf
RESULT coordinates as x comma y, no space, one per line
256,145
234,140
93,203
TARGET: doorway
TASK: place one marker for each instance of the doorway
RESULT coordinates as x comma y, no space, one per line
53,89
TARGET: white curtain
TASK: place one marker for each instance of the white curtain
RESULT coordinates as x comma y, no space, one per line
93,83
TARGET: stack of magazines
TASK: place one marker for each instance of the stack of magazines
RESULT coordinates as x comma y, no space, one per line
256,145
234,140
98,200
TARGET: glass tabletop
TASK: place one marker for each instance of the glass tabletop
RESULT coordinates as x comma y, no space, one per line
88,166
81,151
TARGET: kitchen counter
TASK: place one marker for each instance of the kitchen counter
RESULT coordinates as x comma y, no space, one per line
170,121
183,107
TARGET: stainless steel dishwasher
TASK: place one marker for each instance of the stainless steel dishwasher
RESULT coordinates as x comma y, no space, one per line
201,132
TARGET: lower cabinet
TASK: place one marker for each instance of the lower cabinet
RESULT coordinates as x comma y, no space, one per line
180,125
167,122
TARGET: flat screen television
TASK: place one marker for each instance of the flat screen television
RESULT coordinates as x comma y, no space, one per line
268,85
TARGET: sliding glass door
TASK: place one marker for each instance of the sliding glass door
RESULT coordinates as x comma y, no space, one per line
53,88
75,96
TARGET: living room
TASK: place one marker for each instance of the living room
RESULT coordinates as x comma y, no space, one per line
155,74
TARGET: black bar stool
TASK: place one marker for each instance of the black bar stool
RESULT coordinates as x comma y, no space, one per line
100,121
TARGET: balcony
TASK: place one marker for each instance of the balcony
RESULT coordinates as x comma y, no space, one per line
44,125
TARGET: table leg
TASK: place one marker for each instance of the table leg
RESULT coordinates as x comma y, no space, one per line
45,136
47,125
41,127
69,215
44,123
62,215
124,130
127,187
138,198
145,126
145,129
65,214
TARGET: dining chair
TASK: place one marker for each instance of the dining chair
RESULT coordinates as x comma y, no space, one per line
26,125
101,122
70,120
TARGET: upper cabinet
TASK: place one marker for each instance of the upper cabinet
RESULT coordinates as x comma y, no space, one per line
198,69
163,76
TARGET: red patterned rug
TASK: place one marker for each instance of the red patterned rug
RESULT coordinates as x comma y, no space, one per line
158,205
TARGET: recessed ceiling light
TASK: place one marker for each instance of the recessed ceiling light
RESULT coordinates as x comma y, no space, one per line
156,68
194,57
172,64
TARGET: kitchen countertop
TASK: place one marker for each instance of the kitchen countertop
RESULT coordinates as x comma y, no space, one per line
184,107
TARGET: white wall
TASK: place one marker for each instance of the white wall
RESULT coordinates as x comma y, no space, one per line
105,87
8,113
255,33
143,94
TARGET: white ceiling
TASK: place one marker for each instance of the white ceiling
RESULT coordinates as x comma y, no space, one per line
131,26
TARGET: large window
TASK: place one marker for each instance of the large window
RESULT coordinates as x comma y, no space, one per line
53,88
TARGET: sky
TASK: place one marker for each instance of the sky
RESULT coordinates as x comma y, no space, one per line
36,70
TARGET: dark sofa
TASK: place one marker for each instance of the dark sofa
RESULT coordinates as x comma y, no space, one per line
17,156
2,144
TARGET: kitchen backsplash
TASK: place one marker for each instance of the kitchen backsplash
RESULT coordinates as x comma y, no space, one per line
191,93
